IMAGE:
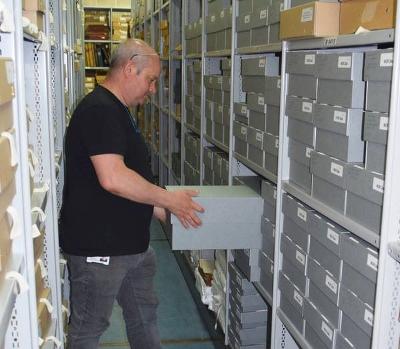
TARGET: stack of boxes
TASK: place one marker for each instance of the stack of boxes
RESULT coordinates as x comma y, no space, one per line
328,278
327,127
35,10
191,167
258,22
216,167
120,25
193,96
218,26
256,123
193,33
248,313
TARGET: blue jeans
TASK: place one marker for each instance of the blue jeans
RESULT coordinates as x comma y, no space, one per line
94,288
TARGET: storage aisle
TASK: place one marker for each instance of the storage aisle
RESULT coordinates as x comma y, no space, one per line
180,323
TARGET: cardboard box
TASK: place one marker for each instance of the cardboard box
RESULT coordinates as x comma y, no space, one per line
6,80
6,197
7,170
36,17
44,313
34,5
369,14
314,19
5,244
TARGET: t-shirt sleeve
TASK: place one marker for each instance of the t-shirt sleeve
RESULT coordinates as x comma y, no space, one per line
101,131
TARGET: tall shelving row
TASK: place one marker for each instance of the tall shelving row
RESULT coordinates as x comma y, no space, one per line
248,105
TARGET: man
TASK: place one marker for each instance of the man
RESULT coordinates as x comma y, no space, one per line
108,203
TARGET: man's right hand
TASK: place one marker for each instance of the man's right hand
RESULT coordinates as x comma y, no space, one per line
184,208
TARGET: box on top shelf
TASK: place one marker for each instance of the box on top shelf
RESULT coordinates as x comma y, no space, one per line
302,62
378,65
314,19
34,5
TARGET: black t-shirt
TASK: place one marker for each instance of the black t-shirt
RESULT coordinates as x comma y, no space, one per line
93,221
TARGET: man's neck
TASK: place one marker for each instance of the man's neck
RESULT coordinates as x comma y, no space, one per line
113,88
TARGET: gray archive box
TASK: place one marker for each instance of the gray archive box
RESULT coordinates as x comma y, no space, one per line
239,279
272,90
376,157
258,316
255,137
300,152
361,256
329,177
268,65
292,314
313,338
299,236
302,86
300,108
326,232
320,324
354,334
268,191
226,83
221,204
293,253
376,127
250,256
326,258
267,280
340,65
209,128
324,280
259,36
240,131
234,318
365,197
329,309
235,343
349,94
300,175
243,23
250,336
378,65
241,147
339,132
260,17
240,108
301,62
301,131
266,264
208,157
218,132
269,211
209,110
291,293
256,155
294,276
271,144
274,11
362,314
257,119
243,38
208,175
273,116
378,96
274,33
256,102
254,84
248,303
297,212
342,342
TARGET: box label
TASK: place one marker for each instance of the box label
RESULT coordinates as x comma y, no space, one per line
297,297
220,108
307,14
327,330
330,42
332,236
340,116
274,194
263,14
278,84
336,169
378,185
306,107
222,14
372,262
261,63
277,143
383,123
344,62
260,100
243,130
331,284
213,18
259,136
368,317
244,109
300,258
302,214
308,152
386,59
247,19
309,59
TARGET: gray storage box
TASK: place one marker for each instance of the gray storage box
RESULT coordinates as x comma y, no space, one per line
267,281
272,122
376,127
251,317
250,336
240,131
378,96
292,314
294,276
220,203
300,108
256,155
326,258
254,84
328,168
271,144
256,102
208,157
268,191
226,83
294,254
218,132
362,314
378,65
268,238
209,128
259,36
237,276
266,264
218,114
354,334
243,23
329,194
240,109
301,62
271,163
260,17
272,90
300,175
349,94
360,255
208,175
302,86
342,342
243,38
274,11
322,327
274,33
298,235
324,280
297,212
291,293
255,137
376,157
257,120
301,131
324,304
269,211
339,132
299,152
209,110
241,147
313,338
340,65
267,65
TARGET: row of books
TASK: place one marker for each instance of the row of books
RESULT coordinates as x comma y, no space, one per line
97,55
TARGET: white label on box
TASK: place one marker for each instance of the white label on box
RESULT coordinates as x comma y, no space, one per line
306,107
309,59
383,123
307,14
246,19
244,109
220,108
336,169
300,258
378,185
274,194
282,7
261,63
327,330
340,116
222,14
260,100
386,59
259,136
272,269
263,14
372,262
243,130
333,236
10,72
213,18
277,143
297,297
308,152
302,214
278,83
344,62
102,18
368,317
329,282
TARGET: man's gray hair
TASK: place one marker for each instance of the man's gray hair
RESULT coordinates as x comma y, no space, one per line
135,49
